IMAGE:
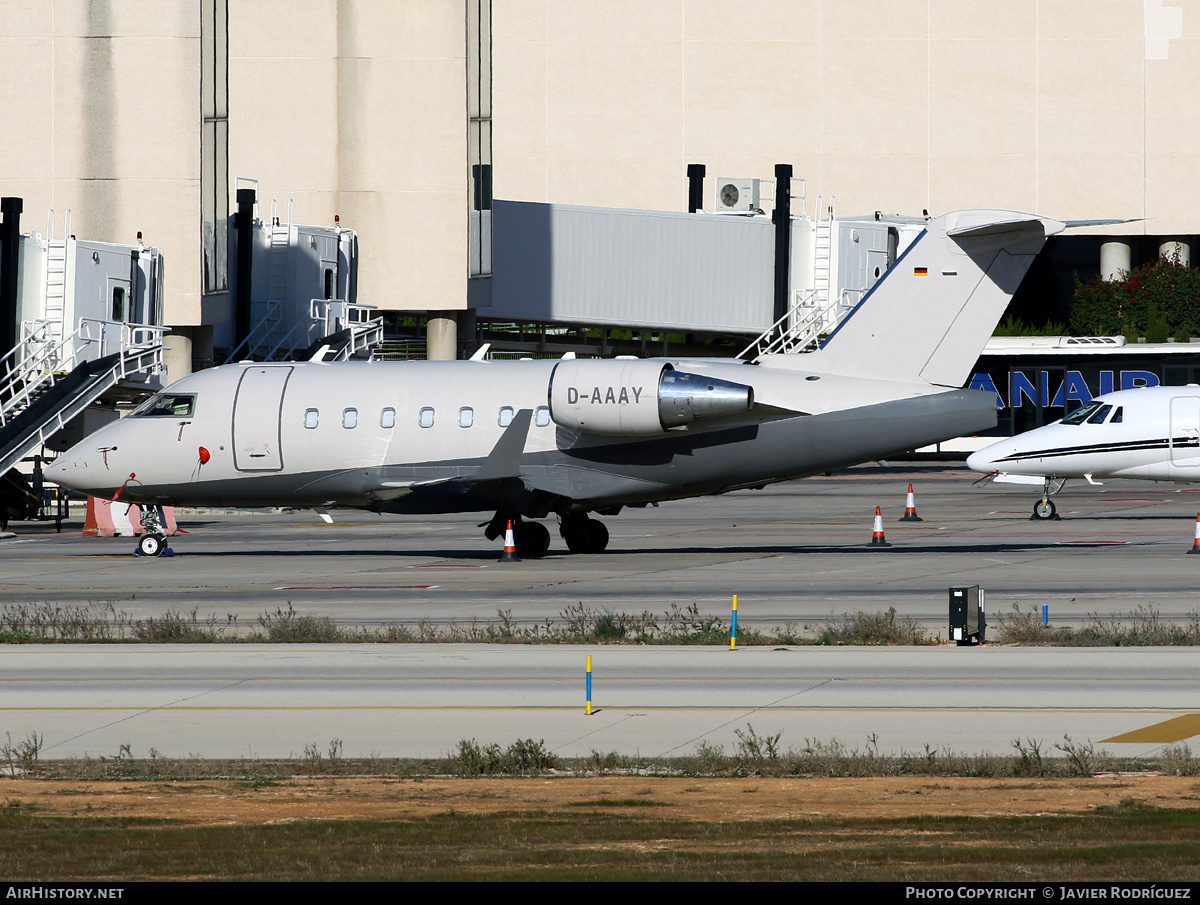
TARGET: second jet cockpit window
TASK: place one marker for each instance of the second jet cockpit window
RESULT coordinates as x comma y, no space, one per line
1094,413
1082,414
170,405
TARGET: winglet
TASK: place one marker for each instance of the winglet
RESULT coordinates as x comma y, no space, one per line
504,461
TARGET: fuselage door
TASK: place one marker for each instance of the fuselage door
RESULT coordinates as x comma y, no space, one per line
256,419
1185,431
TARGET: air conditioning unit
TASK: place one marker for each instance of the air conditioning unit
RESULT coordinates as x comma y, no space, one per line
736,196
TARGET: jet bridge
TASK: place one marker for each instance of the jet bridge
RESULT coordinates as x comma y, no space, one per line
295,287
695,272
75,318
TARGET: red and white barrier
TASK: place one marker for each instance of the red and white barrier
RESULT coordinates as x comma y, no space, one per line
108,519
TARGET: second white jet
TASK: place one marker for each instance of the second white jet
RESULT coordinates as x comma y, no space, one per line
1148,433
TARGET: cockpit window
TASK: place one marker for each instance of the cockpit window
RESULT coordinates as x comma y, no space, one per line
1099,417
170,405
1119,416
1082,414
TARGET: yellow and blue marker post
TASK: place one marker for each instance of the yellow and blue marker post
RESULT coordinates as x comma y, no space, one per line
589,685
733,626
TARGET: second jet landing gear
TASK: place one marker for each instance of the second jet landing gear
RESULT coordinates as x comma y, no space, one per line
1044,509
583,534
154,541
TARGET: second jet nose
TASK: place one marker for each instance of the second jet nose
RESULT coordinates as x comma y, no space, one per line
983,460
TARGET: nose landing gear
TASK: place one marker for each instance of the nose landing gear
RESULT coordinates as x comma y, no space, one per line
154,541
1044,510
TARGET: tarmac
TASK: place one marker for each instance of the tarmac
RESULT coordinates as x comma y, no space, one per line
797,554
793,553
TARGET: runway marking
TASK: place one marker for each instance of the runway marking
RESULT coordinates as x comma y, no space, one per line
725,679
663,708
450,565
1175,730
1090,543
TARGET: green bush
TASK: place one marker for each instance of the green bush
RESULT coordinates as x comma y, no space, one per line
1155,300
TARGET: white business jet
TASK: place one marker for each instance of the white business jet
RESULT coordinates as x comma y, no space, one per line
1151,433
527,440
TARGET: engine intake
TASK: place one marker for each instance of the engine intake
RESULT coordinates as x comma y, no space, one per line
637,398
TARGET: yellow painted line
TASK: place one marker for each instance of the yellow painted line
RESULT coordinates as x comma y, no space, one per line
1175,730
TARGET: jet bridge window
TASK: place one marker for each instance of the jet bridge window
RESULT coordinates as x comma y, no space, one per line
1099,417
170,405
349,418
311,418
466,416
425,417
506,416
387,418
1082,413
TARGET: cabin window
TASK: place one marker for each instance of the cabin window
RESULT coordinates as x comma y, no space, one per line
387,418
311,418
1100,415
1119,416
466,416
542,416
168,405
425,417
506,416
349,418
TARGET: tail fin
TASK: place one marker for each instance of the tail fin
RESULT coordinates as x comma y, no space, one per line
930,315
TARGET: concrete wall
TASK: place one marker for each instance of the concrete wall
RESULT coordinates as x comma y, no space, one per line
359,109
102,116
1070,108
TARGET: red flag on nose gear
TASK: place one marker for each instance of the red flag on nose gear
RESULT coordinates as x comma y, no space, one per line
116,495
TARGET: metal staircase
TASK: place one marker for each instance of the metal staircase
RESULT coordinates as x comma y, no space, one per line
343,329
813,311
44,383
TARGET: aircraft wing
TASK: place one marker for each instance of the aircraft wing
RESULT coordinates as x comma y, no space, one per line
498,477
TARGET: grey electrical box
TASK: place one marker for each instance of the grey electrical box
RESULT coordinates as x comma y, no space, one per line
968,621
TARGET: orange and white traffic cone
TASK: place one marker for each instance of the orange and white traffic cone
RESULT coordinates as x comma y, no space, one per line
1196,541
510,545
877,538
910,508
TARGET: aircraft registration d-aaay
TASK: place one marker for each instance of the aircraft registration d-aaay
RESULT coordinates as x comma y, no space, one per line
573,437
1152,433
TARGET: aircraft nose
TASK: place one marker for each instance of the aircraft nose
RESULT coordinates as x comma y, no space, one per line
72,471
982,460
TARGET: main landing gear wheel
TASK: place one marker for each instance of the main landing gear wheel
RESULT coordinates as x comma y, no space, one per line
152,545
532,539
1044,510
584,535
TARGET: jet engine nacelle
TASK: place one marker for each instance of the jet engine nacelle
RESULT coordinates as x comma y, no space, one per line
636,398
